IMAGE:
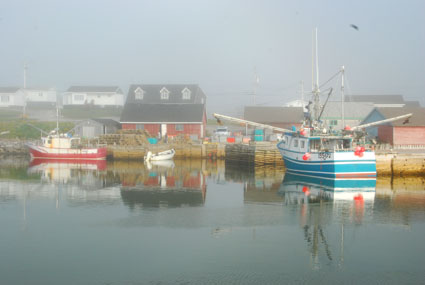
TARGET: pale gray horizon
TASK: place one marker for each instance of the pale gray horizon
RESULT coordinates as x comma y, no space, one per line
216,44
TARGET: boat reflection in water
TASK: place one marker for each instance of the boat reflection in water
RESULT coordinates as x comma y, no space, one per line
161,184
298,189
323,203
63,170
79,182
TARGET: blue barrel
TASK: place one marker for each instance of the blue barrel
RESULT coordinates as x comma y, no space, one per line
153,140
258,132
258,138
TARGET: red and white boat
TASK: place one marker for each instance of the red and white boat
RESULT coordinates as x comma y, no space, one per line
61,146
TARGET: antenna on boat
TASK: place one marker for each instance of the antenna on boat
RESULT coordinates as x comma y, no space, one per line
302,94
317,65
57,119
342,97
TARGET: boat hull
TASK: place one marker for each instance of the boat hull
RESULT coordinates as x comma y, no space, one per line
165,155
68,163
67,153
331,165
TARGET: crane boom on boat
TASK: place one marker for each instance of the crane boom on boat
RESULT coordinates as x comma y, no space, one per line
381,122
237,120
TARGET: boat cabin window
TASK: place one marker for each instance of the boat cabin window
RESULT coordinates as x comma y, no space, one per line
302,144
346,143
314,145
295,143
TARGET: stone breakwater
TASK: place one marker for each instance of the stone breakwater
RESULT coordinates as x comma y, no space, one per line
11,146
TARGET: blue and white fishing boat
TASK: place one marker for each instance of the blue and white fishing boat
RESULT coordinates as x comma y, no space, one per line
317,151
327,156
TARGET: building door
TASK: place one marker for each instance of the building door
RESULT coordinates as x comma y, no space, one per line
88,131
163,130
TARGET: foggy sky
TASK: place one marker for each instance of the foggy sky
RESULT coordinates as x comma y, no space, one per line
216,44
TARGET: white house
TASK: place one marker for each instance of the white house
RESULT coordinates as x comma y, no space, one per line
12,97
378,101
297,103
100,96
40,96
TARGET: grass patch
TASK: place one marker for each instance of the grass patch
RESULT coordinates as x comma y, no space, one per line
85,112
22,129
10,114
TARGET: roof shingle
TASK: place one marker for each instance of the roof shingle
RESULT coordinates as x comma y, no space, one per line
417,119
162,113
152,95
274,114
89,89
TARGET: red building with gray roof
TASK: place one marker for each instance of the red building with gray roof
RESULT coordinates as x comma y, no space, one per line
171,109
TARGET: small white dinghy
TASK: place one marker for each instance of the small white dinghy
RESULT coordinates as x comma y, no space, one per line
164,155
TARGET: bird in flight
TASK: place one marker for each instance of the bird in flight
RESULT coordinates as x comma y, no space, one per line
354,27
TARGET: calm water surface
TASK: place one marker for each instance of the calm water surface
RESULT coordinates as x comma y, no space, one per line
199,222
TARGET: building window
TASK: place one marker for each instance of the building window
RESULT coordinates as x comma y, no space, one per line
179,127
140,127
138,93
5,98
186,93
79,97
40,94
165,94
333,122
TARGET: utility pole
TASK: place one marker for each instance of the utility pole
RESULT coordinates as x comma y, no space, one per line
24,91
255,85
25,75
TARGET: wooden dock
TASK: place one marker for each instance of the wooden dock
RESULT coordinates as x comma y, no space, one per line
260,154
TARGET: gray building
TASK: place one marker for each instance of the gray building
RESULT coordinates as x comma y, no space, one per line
378,100
281,117
95,127
354,113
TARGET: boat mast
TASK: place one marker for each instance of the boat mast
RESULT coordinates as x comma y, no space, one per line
316,90
302,93
342,98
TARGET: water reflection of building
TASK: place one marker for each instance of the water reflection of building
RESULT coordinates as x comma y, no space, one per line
403,200
164,183
324,202
263,186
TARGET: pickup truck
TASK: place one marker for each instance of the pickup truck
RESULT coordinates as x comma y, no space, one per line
222,131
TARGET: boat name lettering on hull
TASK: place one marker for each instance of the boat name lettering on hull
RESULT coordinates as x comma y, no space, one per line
324,155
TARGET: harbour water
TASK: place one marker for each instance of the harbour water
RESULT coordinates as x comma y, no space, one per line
202,222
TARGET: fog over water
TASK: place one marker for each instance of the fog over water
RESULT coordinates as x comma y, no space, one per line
216,44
